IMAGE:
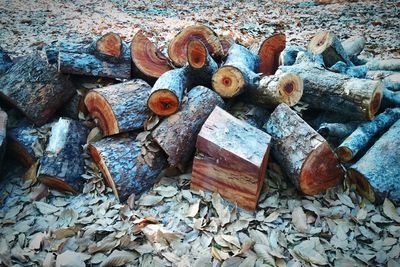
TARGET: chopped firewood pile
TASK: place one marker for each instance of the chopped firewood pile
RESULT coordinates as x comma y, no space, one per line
131,154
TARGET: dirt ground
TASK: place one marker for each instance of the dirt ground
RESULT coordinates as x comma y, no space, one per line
171,225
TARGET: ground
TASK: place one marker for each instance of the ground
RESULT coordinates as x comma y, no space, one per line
171,225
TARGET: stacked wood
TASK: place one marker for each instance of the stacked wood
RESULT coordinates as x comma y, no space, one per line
364,134
353,71
353,46
304,154
376,175
3,127
62,165
176,135
35,88
256,116
5,61
120,107
231,159
177,49
20,143
288,56
269,53
238,73
150,63
124,167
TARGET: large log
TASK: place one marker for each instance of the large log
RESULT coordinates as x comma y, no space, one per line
125,169
35,88
352,97
3,128
238,73
176,135
62,165
303,153
5,61
21,141
120,107
269,53
177,49
231,159
288,56
377,174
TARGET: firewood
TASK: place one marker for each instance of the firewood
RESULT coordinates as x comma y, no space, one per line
62,165
177,49
110,44
338,130
390,79
353,71
304,154
3,127
269,53
238,73
325,90
390,99
256,116
176,135
75,106
35,88
21,141
376,175
231,159
384,64
149,62
328,45
363,135
5,61
124,167
226,42
288,56
354,45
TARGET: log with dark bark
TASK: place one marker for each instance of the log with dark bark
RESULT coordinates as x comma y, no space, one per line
3,131
150,63
238,73
5,61
75,106
390,99
377,174
337,130
256,116
21,141
269,53
390,79
124,167
354,45
304,154
231,159
35,88
177,49
384,64
120,107
62,165
288,56
176,135
325,90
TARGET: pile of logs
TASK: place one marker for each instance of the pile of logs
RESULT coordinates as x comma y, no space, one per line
211,104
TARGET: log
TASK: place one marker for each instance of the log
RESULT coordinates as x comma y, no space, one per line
62,165
377,174
166,94
354,45
35,88
390,79
337,130
3,131
238,72
123,166
110,44
231,159
150,63
269,53
256,116
5,61
364,134
353,71
384,64
177,49
288,56
328,45
176,135
226,43
304,154
21,141
390,99
120,107
75,106
325,90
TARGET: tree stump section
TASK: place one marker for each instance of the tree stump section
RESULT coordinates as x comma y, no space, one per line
288,56
35,88
176,135
63,164
303,153
269,53
231,159
3,128
377,174
120,107
21,141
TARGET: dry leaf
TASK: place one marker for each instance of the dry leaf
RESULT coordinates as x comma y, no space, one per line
94,135
49,260
119,258
193,209
390,210
166,191
299,219
37,241
149,200
262,252
71,259
307,250
45,208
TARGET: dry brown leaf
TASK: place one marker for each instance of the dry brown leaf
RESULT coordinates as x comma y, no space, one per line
37,241
119,258
149,200
307,250
45,208
193,209
299,219
71,259
49,260
166,191
390,210
94,135
262,252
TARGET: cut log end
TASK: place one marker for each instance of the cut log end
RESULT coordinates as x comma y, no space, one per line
163,102
290,88
269,53
228,81
320,42
57,183
344,153
196,54
375,103
110,44
361,184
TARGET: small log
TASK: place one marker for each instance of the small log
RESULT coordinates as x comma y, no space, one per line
328,45
177,49
269,53
384,64
390,99
35,88
124,167
353,71
304,154
337,130
5,61
62,165
288,56
3,127
256,116
166,94
377,174
354,45
21,141
238,73
149,62
363,135
120,107
231,159
390,79
176,135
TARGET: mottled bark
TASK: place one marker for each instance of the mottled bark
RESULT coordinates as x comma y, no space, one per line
390,99
337,129
5,61
390,79
354,45
256,116
3,131
353,71
288,56
74,106
384,64
20,144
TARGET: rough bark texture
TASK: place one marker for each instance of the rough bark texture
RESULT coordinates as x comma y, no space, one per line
3,128
377,174
120,107
62,169
288,56
358,98
256,116
353,71
226,42
390,99
176,135
337,129
75,106
269,53
35,88
124,167
238,73
391,79
20,144
231,159
386,64
353,46
303,153
5,61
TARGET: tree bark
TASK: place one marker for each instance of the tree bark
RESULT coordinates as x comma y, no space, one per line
303,153
256,116
354,45
384,64
288,56
390,79
5,61
390,99
3,131
75,106
269,53
336,129
20,144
